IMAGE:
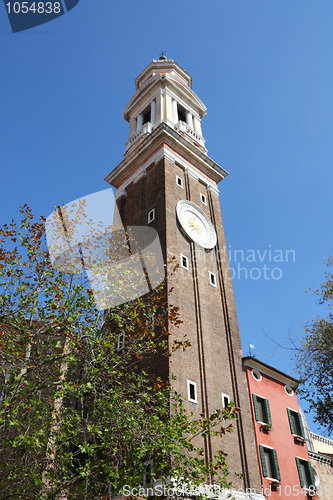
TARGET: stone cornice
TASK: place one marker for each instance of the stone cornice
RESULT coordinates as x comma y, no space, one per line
151,142
163,65
321,439
165,152
160,81
320,458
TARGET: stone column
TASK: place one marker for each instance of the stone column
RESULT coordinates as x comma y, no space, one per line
132,127
153,112
175,111
189,119
197,125
139,122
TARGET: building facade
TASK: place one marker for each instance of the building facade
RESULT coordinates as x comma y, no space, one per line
321,457
167,181
285,465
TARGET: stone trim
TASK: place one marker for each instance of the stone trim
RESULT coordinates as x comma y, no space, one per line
164,134
161,153
145,129
181,126
321,458
321,439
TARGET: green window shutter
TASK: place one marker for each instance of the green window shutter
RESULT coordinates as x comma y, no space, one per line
267,412
291,422
300,472
276,466
255,405
263,463
300,424
312,479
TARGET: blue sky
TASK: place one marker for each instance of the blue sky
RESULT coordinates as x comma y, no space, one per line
264,70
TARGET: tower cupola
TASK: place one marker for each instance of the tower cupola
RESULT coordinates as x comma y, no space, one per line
164,94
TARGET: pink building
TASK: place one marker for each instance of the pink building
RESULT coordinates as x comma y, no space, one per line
283,455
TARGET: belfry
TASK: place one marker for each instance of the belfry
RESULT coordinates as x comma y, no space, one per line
167,181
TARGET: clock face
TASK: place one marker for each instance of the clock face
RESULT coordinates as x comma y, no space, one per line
195,224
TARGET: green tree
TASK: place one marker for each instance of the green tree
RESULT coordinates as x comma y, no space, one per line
80,407
314,358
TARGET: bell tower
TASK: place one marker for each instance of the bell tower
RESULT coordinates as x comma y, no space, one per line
168,181
164,95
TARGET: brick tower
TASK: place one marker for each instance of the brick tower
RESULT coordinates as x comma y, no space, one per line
168,181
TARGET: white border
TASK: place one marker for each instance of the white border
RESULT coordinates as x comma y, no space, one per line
188,391
292,390
224,395
151,211
181,180
257,379
210,281
120,346
210,240
181,262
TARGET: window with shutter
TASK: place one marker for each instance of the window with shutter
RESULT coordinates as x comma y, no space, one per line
276,466
311,475
255,406
269,463
300,472
261,409
291,422
305,474
268,419
295,422
301,428
263,462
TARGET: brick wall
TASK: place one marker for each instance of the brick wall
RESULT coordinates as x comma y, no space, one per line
214,360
